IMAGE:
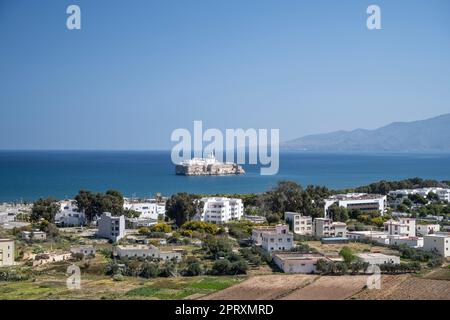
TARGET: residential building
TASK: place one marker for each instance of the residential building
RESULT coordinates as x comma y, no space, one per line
362,201
6,252
33,235
324,227
147,251
380,237
255,219
404,227
293,262
112,228
401,194
273,238
300,224
424,229
438,242
86,250
378,258
68,215
148,209
220,210
413,242
136,223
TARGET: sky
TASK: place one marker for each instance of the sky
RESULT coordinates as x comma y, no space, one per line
139,69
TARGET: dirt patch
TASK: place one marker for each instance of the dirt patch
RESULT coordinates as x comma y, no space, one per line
329,288
407,287
268,287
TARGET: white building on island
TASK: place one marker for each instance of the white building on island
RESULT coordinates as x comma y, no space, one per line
273,238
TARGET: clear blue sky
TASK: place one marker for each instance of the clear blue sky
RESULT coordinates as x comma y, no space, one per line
139,69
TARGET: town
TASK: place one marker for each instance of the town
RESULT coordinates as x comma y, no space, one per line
211,246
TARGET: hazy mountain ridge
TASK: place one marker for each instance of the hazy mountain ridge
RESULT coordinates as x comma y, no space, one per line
430,135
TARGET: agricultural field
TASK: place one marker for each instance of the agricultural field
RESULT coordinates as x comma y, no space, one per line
101,287
311,287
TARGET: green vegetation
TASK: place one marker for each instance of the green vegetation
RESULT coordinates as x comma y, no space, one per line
182,207
95,203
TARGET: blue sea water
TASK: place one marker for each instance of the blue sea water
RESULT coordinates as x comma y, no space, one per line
28,175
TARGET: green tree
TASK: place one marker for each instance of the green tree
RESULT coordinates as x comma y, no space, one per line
181,207
347,254
338,213
44,209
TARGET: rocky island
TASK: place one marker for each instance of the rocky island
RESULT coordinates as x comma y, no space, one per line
209,166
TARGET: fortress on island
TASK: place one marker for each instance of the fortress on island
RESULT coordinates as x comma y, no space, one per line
208,166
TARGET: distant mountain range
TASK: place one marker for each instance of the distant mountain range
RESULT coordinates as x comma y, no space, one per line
430,135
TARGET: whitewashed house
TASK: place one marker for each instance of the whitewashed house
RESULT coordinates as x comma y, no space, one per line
146,251
404,227
86,250
277,238
293,262
6,252
378,258
148,209
438,242
424,229
68,215
324,228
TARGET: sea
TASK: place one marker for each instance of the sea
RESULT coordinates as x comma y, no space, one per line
28,175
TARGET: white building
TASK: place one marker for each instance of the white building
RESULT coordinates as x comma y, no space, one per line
273,238
401,194
68,215
146,251
112,228
413,242
424,229
33,235
324,227
301,225
220,210
438,242
378,258
86,250
361,201
293,262
380,237
149,209
404,227
6,252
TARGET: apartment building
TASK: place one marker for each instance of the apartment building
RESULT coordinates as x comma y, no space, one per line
413,242
401,194
380,237
112,228
362,201
300,224
324,227
6,252
276,238
438,242
220,210
149,209
424,229
404,227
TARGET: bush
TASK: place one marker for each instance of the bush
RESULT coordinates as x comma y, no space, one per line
118,277
11,275
193,267
149,270
161,227
201,226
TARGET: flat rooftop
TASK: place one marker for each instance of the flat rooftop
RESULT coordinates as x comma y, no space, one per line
356,196
374,255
